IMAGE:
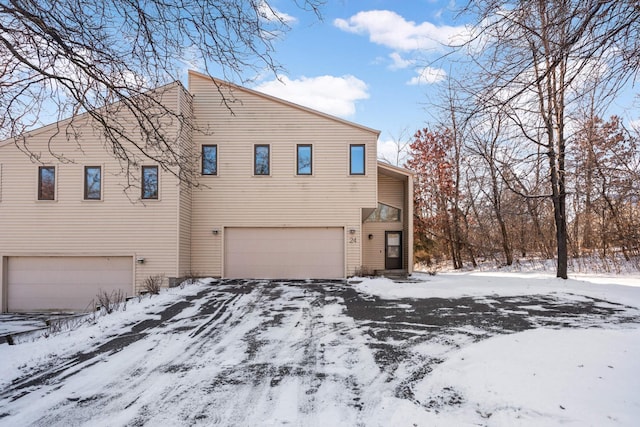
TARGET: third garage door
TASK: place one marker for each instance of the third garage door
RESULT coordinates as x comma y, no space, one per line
284,253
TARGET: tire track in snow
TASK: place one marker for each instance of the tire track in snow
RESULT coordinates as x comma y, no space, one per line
307,354
139,368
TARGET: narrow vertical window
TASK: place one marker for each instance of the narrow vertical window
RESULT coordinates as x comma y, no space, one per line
304,159
209,160
356,159
150,182
46,183
261,160
92,182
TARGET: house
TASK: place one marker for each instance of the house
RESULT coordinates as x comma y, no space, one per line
283,192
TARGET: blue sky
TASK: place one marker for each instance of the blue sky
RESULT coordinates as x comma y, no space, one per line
364,61
372,62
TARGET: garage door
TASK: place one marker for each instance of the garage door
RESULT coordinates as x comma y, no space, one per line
284,253
65,283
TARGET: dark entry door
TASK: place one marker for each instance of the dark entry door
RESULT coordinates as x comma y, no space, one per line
393,250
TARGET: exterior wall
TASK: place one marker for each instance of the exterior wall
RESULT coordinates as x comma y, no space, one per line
392,191
118,225
236,198
183,232
185,192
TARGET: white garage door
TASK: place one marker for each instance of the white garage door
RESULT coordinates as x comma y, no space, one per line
284,253
65,283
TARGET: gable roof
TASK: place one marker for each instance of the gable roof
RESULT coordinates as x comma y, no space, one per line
234,86
60,124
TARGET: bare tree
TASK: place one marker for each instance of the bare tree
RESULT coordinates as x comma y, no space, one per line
484,142
60,58
400,148
533,59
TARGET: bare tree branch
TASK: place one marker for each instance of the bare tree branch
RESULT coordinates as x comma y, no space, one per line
64,58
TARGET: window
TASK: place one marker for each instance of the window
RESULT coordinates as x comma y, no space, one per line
384,213
150,182
209,160
356,159
46,183
261,160
92,182
304,159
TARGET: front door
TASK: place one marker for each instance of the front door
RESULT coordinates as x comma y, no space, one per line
393,250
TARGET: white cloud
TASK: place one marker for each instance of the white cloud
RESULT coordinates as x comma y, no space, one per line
393,153
269,13
389,29
428,75
399,62
329,94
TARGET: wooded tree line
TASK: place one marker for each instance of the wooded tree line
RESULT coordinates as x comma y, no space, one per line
471,203
523,161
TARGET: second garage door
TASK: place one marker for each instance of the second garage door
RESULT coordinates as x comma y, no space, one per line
284,253
65,283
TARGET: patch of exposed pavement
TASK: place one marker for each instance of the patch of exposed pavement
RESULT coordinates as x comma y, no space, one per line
244,343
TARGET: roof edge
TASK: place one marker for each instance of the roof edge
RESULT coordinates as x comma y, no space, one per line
282,101
397,169
67,120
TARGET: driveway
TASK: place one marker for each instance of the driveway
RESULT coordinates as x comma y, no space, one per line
247,352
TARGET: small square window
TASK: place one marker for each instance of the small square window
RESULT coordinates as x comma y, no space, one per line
356,159
150,182
304,159
209,160
92,182
261,160
46,183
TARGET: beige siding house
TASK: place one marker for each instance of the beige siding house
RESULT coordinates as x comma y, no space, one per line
284,192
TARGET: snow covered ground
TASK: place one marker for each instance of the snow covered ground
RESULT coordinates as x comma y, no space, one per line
455,349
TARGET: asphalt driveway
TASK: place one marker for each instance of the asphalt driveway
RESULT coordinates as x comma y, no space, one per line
234,352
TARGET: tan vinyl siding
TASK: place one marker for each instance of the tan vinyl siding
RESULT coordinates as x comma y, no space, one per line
185,191
118,225
391,191
236,198
373,250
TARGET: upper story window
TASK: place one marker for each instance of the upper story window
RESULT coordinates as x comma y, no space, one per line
209,160
384,213
92,182
46,183
150,182
356,159
304,158
261,160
